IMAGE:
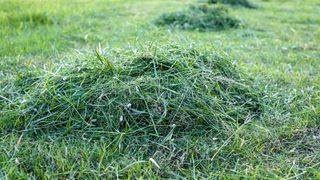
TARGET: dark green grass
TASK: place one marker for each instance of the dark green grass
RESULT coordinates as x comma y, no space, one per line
244,3
158,87
200,18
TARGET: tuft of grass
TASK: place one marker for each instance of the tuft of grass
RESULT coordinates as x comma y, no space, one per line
199,17
159,87
244,3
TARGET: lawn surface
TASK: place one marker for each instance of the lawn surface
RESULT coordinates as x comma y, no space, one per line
277,46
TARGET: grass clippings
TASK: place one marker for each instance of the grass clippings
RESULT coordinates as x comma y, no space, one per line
199,17
163,86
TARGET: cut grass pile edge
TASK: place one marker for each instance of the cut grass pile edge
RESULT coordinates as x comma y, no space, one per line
202,17
157,88
244,3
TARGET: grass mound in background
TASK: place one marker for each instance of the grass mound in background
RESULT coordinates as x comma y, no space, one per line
244,3
199,17
31,19
155,88
17,14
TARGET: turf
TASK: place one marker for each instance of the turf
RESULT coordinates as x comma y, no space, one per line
275,53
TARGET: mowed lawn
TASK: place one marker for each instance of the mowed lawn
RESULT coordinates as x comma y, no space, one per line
277,47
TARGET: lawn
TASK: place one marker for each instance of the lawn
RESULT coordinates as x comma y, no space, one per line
97,89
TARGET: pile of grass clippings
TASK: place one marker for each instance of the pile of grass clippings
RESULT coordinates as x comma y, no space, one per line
156,88
244,3
199,17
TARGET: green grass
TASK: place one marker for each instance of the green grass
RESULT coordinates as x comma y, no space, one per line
275,52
